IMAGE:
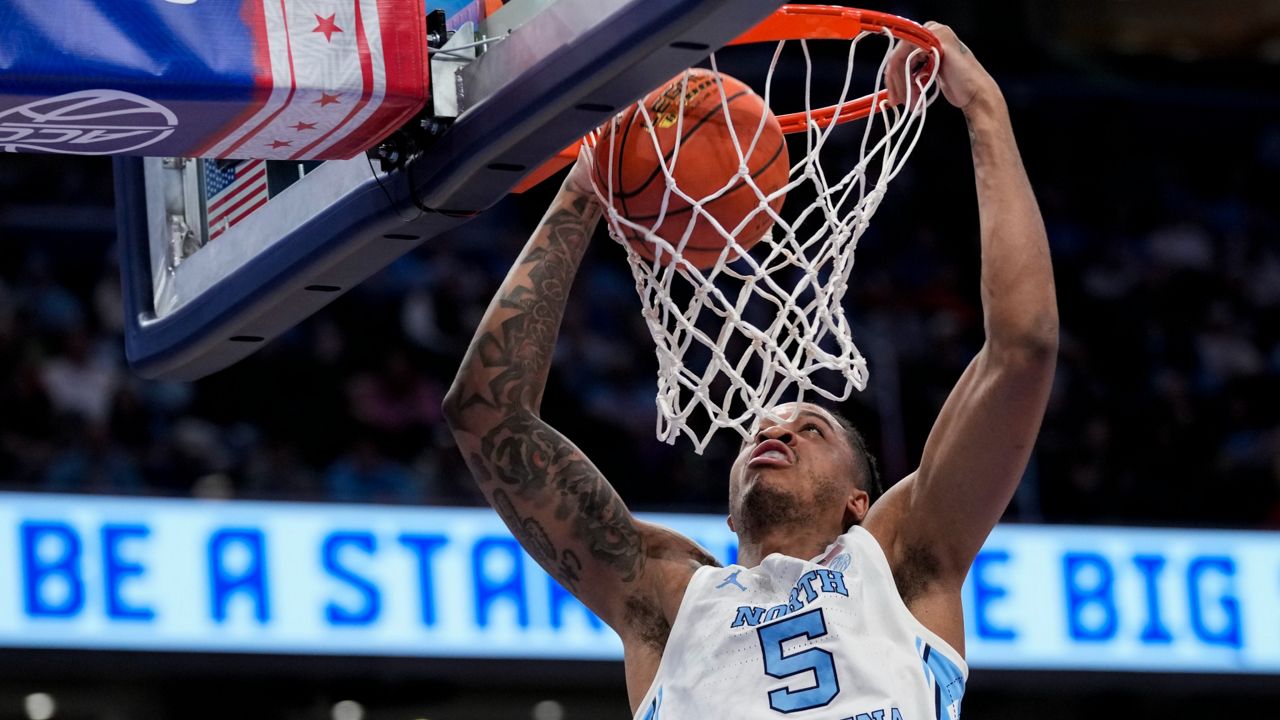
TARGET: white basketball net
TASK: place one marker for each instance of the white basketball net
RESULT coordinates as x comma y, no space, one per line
766,326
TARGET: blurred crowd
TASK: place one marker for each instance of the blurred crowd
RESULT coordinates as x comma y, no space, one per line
1164,409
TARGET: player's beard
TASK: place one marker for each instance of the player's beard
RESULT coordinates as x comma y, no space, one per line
767,506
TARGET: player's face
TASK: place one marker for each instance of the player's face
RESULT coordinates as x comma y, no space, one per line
806,460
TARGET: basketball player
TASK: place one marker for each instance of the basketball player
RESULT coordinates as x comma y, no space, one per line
838,608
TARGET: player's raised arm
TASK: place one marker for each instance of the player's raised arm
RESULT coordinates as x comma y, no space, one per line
982,439
554,500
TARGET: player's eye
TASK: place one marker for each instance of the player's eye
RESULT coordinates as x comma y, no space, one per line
812,427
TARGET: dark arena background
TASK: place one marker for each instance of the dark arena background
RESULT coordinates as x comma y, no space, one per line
1151,132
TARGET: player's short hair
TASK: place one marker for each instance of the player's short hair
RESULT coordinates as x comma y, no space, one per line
870,470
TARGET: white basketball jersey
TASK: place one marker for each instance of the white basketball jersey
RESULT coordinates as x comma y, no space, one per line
826,638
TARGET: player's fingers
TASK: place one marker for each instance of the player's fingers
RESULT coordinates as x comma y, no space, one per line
946,37
895,73
912,74
943,32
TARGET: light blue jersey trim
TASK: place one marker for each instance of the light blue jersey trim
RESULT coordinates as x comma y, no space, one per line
944,678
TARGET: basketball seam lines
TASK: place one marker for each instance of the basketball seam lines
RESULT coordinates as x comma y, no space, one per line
667,157
620,153
689,208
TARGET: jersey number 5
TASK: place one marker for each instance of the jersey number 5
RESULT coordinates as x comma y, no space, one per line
809,625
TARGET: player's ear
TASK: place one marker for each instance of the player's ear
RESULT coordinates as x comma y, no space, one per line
855,507
728,519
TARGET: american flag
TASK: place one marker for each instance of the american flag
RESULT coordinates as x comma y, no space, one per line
233,190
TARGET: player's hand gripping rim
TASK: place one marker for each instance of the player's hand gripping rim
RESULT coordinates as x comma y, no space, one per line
964,82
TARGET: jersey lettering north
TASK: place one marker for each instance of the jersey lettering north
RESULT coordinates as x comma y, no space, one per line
827,638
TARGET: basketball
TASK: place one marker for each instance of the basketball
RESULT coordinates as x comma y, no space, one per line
707,162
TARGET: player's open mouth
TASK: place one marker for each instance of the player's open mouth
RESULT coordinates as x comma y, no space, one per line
771,452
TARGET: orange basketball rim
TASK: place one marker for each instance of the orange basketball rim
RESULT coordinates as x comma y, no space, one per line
803,22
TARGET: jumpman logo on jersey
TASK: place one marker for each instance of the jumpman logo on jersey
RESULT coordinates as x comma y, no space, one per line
732,580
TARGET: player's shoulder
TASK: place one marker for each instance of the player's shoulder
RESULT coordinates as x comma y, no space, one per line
915,559
890,512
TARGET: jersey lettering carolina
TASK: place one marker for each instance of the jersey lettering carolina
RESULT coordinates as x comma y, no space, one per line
827,638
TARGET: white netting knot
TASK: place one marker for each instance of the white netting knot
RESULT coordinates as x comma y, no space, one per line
765,325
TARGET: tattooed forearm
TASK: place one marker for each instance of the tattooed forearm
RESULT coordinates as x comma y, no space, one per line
517,353
557,504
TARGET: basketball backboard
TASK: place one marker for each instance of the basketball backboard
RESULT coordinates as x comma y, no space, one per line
219,257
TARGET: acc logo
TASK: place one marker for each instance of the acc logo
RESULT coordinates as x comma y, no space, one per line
88,122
